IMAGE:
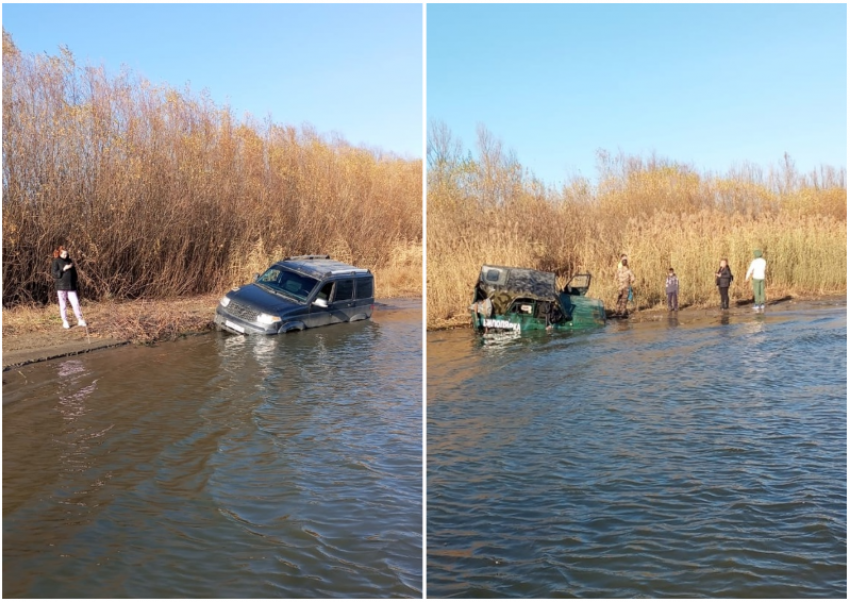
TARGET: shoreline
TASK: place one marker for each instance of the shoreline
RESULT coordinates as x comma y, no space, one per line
35,334
658,312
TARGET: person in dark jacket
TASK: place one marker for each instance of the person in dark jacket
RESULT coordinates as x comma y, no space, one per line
722,279
65,276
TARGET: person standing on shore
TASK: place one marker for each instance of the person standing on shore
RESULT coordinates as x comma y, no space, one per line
672,290
65,276
624,280
723,279
620,263
757,269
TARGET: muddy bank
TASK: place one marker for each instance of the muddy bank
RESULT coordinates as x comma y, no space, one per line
34,334
659,312
41,347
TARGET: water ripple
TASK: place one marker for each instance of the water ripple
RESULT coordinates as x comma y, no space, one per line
220,466
642,460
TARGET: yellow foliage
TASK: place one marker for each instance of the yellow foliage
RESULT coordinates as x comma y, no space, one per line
660,214
159,193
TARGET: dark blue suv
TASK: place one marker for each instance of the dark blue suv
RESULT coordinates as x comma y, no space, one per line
299,292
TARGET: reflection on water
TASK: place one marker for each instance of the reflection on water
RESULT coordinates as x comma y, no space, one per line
220,466
684,457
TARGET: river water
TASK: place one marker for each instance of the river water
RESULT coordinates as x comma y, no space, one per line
220,466
698,456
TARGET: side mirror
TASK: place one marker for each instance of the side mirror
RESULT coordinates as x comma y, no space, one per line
323,303
256,277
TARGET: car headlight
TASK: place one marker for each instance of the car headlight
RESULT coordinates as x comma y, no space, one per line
225,301
267,319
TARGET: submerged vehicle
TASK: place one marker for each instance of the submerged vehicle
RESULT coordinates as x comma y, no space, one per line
521,300
298,292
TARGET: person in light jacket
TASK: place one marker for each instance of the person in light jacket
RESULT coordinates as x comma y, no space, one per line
624,280
671,287
723,279
757,269
65,277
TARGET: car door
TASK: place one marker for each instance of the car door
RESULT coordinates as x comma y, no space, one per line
342,302
319,313
523,312
363,297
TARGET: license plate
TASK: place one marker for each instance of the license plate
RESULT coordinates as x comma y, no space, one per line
235,327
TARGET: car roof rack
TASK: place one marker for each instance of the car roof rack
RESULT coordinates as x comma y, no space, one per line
322,266
305,257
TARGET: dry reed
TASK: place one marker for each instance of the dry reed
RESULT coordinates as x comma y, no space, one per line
486,208
159,193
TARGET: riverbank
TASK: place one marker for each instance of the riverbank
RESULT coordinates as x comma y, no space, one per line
33,334
658,312
660,213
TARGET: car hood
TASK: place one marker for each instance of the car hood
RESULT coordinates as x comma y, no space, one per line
261,299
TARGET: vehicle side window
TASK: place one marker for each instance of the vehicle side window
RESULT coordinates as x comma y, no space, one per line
344,290
325,292
365,288
492,275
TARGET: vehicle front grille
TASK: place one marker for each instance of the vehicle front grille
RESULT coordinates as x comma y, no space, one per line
241,311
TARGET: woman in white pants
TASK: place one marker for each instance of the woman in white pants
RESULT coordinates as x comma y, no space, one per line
65,275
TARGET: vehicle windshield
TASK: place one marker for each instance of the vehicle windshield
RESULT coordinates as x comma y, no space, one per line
288,283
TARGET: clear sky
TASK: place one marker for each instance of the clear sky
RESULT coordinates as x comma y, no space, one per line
352,69
706,85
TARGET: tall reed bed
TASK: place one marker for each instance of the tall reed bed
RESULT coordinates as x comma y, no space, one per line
486,208
160,192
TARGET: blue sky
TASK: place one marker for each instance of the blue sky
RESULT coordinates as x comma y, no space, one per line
707,85
351,69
